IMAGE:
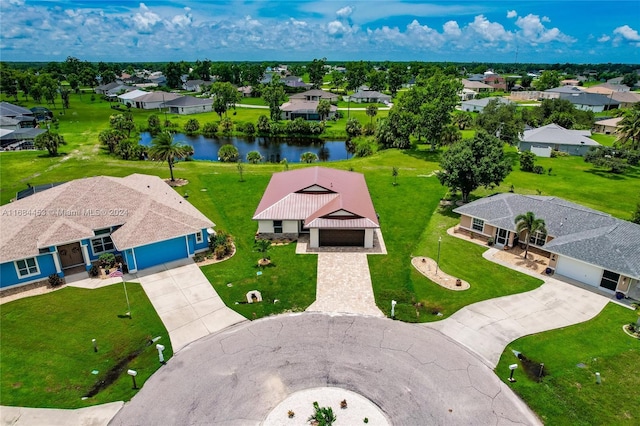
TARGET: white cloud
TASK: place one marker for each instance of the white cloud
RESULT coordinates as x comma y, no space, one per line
489,31
16,2
345,12
452,29
337,27
546,19
145,19
512,14
533,31
604,38
627,33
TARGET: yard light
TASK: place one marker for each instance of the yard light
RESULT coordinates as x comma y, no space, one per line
393,308
598,379
95,345
133,374
438,259
512,367
160,348
127,297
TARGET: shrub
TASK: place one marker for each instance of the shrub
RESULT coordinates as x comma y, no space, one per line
249,129
555,153
308,157
254,157
226,125
221,244
107,259
527,161
365,146
263,124
55,280
538,170
353,127
210,129
228,154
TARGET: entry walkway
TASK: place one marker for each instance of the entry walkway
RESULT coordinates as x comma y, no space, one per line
186,302
487,327
98,415
344,285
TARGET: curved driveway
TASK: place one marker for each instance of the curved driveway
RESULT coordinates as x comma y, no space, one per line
236,377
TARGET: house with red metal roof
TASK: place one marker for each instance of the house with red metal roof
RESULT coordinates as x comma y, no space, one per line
332,206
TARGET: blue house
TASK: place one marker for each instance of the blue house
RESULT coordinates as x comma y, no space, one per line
64,229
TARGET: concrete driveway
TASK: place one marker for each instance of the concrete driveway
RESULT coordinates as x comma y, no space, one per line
487,327
413,374
344,285
186,302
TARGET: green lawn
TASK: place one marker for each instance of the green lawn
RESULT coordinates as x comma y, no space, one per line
568,394
47,356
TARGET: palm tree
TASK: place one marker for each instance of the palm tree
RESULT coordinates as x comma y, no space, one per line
629,128
164,148
372,111
529,223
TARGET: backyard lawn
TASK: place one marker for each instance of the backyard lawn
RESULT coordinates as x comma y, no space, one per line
47,357
568,393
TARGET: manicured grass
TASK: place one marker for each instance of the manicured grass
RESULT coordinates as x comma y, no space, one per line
602,139
47,356
568,394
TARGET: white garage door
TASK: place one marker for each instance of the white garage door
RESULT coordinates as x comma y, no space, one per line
579,271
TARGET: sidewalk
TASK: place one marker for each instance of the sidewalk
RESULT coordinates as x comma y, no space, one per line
98,415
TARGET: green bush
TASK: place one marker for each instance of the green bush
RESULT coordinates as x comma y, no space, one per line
107,259
527,161
210,129
228,154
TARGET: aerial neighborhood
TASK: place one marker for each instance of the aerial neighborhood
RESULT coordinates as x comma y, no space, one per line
320,241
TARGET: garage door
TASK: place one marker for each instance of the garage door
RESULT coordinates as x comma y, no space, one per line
579,271
161,252
342,237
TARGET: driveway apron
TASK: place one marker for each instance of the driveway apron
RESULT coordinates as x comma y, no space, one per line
487,327
344,285
186,302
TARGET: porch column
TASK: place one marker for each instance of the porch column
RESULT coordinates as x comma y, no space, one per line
56,260
85,254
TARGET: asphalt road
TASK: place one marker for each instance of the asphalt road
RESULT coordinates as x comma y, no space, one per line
414,374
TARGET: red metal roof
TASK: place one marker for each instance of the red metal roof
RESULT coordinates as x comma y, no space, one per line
317,192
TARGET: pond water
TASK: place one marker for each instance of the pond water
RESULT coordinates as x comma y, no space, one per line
272,149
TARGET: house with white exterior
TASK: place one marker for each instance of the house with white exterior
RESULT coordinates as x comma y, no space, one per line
608,126
552,137
478,105
186,105
591,101
332,206
582,244
64,229
370,96
147,100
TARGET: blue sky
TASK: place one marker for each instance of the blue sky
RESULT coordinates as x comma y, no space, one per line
583,31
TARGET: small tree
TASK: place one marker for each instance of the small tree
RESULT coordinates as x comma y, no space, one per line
263,124
530,224
635,218
323,109
262,245
240,168
163,148
226,124
527,161
254,157
49,141
228,154
308,157
394,173
322,415
192,126
353,127
372,111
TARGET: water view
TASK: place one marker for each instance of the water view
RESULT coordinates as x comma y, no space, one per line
272,149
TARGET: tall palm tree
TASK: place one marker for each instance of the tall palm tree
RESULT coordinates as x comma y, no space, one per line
629,128
529,223
164,148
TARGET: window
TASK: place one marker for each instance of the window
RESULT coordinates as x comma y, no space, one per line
102,231
102,244
477,224
277,227
199,238
609,280
27,267
538,238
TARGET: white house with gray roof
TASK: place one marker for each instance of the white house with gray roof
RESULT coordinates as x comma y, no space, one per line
552,137
185,105
66,228
582,244
478,105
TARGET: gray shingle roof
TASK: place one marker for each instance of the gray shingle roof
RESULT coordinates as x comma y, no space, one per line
11,110
591,99
578,232
188,101
552,133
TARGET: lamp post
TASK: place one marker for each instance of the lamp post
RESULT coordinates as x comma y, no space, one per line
160,348
438,258
393,309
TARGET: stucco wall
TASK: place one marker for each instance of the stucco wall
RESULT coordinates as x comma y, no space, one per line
9,274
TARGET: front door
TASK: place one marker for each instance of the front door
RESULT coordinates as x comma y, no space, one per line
70,255
502,237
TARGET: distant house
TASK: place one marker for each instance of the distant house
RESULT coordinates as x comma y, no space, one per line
565,89
295,81
496,81
608,127
185,105
104,88
194,85
315,95
626,99
71,225
591,101
478,105
332,206
245,91
570,82
607,88
299,108
542,140
370,96
147,100
582,244
476,86
20,138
